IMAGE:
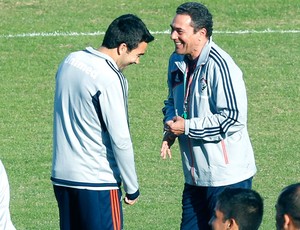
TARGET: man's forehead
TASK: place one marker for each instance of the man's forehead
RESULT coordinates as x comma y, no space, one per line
219,213
181,20
141,49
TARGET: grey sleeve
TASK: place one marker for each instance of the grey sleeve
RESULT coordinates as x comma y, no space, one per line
114,110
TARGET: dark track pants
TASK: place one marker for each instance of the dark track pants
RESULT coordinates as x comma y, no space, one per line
81,209
198,204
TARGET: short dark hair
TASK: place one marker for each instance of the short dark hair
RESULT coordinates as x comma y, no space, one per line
200,15
243,205
289,203
128,29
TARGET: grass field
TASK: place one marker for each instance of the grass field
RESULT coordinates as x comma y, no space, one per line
263,38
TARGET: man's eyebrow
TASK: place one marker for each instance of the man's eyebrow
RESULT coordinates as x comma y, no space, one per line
141,54
176,28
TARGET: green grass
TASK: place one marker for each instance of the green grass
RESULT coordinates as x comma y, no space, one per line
270,62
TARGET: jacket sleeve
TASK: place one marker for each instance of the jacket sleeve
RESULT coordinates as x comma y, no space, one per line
169,108
227,104
114,104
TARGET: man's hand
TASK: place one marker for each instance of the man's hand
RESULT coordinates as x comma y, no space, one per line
177,126
130,202
168,140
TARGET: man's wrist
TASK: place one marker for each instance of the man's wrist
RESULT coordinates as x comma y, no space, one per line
133,196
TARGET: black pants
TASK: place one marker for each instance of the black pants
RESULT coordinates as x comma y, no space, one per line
82,209
198,204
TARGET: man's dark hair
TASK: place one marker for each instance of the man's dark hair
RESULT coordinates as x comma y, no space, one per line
200,15
245,206
289,203
128,29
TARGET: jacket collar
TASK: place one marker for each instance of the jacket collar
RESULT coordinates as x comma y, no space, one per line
101,55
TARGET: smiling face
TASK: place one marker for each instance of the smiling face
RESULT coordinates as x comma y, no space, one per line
130,57
186,40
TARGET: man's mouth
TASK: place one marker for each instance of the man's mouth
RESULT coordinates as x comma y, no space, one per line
177,44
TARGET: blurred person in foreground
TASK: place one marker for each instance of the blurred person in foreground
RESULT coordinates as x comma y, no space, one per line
206,110
5,220
238,209
92,147
288,208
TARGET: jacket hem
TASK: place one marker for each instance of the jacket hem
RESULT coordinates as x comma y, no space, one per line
82,184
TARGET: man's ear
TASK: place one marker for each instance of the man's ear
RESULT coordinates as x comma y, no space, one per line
288,221
232,224
203,31
201,35
122,48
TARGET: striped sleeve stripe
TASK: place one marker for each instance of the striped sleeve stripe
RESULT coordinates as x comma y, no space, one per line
228,90
207,132
229,97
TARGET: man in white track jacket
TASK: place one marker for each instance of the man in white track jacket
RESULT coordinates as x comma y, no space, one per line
5,219
207,110
92,147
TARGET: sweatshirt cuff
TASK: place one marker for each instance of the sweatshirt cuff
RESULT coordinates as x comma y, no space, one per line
133,196
186,126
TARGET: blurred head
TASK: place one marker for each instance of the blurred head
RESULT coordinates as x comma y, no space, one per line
130,36
288,208
191,27
238,208
128,29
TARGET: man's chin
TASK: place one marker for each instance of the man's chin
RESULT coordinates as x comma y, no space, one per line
179,50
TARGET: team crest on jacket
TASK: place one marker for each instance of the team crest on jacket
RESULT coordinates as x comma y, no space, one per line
203,83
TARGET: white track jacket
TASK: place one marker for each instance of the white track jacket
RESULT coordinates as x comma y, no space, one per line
5,220
92,146
215,148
